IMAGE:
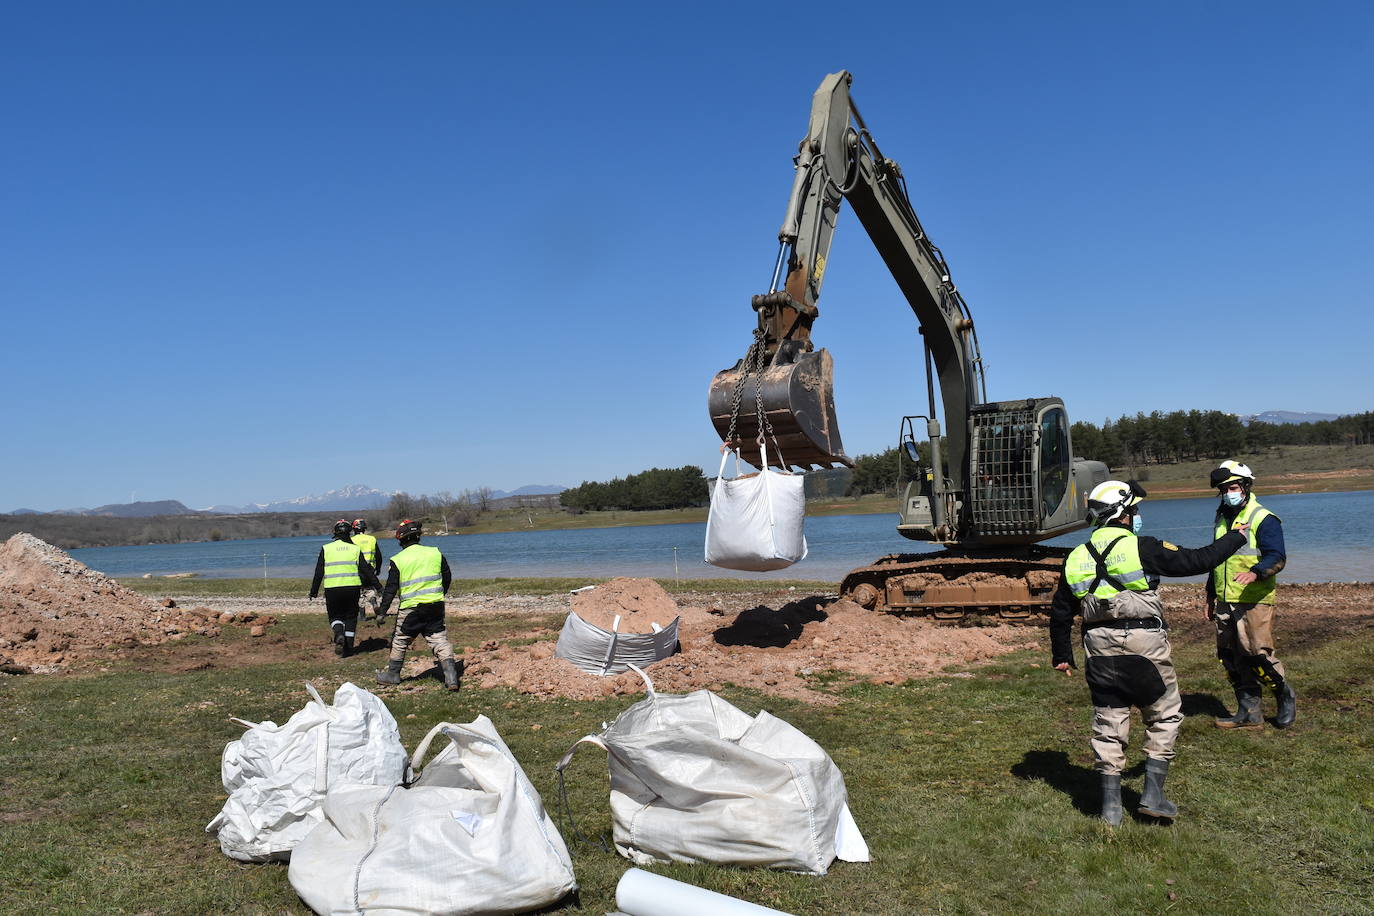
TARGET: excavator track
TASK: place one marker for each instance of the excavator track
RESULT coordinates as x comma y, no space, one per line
1012,583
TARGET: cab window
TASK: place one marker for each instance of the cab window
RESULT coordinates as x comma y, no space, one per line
1054,460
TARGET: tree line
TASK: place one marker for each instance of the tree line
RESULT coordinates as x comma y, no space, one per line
1163,438
656,488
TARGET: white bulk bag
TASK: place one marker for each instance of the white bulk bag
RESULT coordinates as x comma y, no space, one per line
470,835
693,779
604,652
277,775
756,520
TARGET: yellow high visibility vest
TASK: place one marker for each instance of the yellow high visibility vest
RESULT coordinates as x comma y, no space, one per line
422,578
368,545
1123,564
1261,591
341,564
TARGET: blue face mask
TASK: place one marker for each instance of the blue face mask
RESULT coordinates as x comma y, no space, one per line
1136,523
1233,499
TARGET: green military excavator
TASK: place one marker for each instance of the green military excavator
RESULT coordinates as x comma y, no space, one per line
1000,477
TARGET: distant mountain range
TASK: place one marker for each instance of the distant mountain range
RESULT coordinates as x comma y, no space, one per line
1288,416
125,510
533,489
355,498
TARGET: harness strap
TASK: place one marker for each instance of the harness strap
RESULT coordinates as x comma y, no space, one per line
1102,574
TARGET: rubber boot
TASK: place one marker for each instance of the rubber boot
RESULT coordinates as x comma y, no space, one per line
451,673
1288,705
339,639
347,646
1111,799
1152,800
391,675
1247,710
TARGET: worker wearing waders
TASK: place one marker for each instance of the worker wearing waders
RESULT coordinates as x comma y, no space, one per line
418,576
1240,599
343,572
1111,581
373,555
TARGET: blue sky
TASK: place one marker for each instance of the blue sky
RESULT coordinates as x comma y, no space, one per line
255,250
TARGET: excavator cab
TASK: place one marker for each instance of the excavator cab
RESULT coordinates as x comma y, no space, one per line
789,400
1026,485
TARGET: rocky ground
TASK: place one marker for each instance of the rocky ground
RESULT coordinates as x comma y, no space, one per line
57,615
56,612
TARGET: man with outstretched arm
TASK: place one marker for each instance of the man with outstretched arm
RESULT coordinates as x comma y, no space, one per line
1112,582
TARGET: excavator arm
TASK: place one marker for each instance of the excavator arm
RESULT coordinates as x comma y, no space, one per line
1002,476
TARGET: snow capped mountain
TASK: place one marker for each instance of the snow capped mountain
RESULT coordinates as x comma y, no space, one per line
355,497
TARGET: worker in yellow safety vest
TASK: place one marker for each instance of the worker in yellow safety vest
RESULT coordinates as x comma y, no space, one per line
1112,582
373,555
1240,599
343,572
418,577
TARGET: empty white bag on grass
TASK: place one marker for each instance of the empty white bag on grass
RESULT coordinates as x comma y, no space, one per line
695,779
756,521
469,835
277,775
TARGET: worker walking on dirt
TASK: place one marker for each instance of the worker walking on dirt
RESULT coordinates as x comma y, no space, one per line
419,577
1240,599
343,571
373,555
1111,581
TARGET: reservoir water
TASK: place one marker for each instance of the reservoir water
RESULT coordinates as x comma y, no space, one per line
1328,538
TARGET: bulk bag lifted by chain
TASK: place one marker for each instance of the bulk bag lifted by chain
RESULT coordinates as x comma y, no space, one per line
470,835
694,779
277,775
756,521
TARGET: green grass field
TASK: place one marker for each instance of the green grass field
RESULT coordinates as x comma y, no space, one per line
974,792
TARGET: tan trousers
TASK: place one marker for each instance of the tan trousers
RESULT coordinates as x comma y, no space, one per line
1245,644
368,601
425,620
1125,669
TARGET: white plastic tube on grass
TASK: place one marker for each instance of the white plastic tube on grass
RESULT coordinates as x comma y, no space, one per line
643,893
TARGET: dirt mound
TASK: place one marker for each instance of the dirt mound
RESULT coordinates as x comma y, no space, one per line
56,611
768,649
638,603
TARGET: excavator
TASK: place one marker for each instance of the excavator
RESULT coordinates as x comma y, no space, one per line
997,480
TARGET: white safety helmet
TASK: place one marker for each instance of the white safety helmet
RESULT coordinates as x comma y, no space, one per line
1232,471
1110,499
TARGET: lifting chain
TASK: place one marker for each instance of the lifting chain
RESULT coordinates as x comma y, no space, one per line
752,366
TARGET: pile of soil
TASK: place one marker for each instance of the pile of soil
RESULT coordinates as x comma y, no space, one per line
771,650
56,611
639,603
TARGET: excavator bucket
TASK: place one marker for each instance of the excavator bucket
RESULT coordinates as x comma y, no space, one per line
799,403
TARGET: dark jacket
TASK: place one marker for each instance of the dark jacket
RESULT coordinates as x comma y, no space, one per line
365,573
1157,558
